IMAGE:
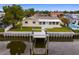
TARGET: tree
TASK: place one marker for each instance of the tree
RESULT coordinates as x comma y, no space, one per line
16,47
37,11
32,12
76,11
5,8
13,14
45,12
65,21
29,12
65,11
71,12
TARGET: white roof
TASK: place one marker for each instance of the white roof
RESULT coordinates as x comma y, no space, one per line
73,16
52,20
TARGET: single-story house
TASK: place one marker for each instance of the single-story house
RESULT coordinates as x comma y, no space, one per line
42,20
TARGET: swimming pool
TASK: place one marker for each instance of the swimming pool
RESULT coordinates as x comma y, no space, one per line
74,26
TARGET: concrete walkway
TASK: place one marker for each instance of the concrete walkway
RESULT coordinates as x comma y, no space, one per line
41,34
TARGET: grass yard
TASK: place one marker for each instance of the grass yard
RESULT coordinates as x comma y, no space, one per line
37,27
63,29
1,30
37,30
76,31
27,29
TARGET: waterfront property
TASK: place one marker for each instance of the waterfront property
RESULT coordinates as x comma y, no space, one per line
38,30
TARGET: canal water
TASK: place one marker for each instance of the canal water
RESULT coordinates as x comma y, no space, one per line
54,48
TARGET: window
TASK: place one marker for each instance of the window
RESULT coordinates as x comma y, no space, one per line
34,22
26,22
74,22
54,23
49,23
43,22
57,23
78,23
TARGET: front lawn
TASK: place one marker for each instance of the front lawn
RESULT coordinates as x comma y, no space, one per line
63,29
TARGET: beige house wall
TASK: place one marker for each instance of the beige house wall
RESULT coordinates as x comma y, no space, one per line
36,24
30,23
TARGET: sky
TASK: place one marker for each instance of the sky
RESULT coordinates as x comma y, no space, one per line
49,7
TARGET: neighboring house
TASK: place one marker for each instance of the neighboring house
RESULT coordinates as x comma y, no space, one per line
42,20
56,13
1,15
74,21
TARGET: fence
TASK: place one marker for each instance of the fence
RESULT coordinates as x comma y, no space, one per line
7,28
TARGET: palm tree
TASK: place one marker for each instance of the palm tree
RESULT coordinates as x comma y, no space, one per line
16,47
